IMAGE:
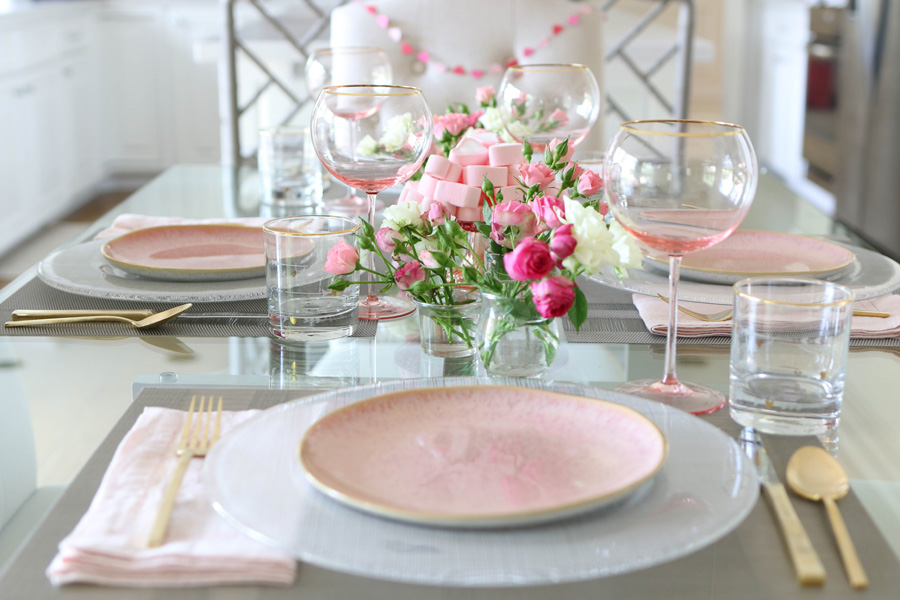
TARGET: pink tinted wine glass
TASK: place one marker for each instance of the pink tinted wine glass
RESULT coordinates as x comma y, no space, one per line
342,66
538,103
678,186
372,137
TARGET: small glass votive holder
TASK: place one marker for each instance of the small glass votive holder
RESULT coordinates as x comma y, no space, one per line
789,347
301,306
290,173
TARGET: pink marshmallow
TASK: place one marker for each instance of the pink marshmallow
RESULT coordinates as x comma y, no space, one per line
469,215
487,138
427,185
469,152
513,175
502,155
425,204
454,173
410,193
437,166
475,174
457,194
512,192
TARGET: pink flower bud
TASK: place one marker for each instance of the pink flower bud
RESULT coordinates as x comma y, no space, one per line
437,213
562,246
387,239
485,94
589,183
341,259
554,296
409,274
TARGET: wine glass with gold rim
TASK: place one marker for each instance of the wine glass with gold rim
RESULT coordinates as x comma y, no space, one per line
678,186
538,103
373,137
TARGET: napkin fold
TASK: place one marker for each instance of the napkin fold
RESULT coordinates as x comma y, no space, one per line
130,222
655,314
109,544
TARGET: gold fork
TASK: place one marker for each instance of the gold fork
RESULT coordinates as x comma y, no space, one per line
186,450
725,315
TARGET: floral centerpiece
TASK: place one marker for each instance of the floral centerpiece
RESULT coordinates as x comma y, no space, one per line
490,215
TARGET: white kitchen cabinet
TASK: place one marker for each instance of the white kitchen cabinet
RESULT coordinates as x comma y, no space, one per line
79,136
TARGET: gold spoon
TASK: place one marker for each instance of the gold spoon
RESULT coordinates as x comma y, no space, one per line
151,321
815,475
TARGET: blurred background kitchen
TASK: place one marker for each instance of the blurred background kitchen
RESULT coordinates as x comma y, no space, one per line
99,96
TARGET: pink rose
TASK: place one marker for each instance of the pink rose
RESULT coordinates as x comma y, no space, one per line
484,95
563,243
554,296
428,259
473,118
387,239
452,123
514,213
409,274
548,210
559,116
531,259
536,173
570,149
341,259
589,183
437,214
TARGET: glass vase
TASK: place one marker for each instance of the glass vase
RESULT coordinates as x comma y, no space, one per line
514,339
449,330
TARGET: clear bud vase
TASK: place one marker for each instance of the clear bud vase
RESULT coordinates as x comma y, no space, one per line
513,339
448,330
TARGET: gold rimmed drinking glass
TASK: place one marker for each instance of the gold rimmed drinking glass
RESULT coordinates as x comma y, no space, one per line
373,137
678,186
538,103
343,66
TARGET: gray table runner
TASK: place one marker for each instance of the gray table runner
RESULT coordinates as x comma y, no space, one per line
750,563
38,295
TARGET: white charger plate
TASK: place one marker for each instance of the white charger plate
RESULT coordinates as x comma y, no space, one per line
705,489
870,275
82,270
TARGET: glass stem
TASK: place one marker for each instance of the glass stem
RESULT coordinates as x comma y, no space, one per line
371,292
669,376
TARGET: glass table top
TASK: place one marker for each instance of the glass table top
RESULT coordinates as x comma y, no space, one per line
63,395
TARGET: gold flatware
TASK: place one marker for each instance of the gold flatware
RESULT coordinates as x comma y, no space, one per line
153,320
807,564
197,446
814,474
726,314
23,314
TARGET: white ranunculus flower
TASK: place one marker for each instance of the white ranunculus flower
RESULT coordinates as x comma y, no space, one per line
519,130
367,146
595,240
629,252
403,214
491,120
396,131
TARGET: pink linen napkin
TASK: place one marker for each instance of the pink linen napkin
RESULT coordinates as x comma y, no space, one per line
109,544
655,314
131,222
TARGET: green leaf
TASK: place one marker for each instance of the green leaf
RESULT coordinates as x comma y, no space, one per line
579,311
483,228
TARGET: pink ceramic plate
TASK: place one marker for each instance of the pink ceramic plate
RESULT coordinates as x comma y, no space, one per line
481,456
190,252
748,253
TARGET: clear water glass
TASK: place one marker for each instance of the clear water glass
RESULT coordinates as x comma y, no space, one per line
301,306
789,354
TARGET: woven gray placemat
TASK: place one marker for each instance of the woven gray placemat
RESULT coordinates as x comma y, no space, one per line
37,295
613,319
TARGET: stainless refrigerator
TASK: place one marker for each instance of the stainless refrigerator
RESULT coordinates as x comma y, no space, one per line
867,171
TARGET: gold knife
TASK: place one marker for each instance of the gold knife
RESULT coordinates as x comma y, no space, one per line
807,564
27,315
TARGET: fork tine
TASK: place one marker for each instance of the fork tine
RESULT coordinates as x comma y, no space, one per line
195,434
218,427
185,431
